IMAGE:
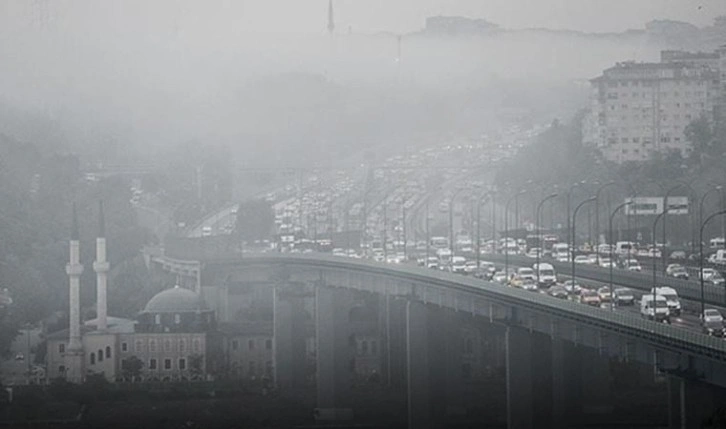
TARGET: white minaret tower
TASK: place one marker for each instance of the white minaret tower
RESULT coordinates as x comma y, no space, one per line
101,268
74,269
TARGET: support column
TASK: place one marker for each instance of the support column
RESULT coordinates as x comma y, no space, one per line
395,330
333,354
418,368
542,379
519,379
596,379
289,338
692,403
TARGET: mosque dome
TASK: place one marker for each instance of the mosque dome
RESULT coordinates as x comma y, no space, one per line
174,300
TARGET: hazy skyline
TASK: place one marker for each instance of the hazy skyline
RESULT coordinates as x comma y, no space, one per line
366,16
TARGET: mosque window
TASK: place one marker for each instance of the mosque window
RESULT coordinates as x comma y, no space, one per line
182,364
167,363
108,352
124,347
138,345
182,345
152,363
61,348
157,319
100,355
152,346
93,358
197,345
167,345
177,318
61,369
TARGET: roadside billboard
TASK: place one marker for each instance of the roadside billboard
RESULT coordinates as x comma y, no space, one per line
651,206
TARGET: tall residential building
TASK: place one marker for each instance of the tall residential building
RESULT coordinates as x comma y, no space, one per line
638,109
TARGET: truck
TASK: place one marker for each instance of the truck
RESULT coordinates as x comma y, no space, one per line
654,308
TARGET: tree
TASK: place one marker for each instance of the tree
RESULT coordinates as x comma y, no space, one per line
131,368
196,365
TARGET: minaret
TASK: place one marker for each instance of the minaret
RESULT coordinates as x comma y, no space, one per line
101,268
74,269
331,17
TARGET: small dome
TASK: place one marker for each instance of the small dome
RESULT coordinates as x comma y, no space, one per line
174,300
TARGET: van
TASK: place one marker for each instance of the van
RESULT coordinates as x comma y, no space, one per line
546,272
624,247
718,242
718,258
458,265
206,231
654,309
671,297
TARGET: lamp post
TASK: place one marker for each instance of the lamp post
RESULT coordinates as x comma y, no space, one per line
451,221
569,195
610,242
597,216
574,223
478,226
539,239
700,258
665,217
428,238
655,260
506,231
700,207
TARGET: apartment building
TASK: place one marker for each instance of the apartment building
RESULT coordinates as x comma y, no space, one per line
639,109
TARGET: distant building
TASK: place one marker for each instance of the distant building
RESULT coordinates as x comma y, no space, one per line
639,109
457,25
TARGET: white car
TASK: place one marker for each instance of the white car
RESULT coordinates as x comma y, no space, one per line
526,273
532,253
606,263
582,259
633,265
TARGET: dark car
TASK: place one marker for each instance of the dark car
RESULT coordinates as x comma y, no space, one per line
558,292
715,329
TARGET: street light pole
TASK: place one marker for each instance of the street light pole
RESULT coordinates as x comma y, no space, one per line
700,206
597,217
539,238
574,223
665,217
451,221
703,225
506,231
610,243
655,260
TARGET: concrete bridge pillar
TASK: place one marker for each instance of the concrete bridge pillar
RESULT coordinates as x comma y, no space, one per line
520,400
418,366
691,404
334,353
393,329
290,360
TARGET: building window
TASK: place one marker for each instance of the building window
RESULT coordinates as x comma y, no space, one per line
235,344
157,319
182,364
61,369
152,363
93,358
138,346
167,363
167,345
182,345
124,347
152,346
100,355
61,348
177,318
268,344
108,352
251,345
197,345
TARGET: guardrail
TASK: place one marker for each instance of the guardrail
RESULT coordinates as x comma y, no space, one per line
687,289
658,334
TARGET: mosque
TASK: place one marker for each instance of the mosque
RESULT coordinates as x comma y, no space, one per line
178,336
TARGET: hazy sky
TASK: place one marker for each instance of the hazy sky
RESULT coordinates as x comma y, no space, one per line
309,16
